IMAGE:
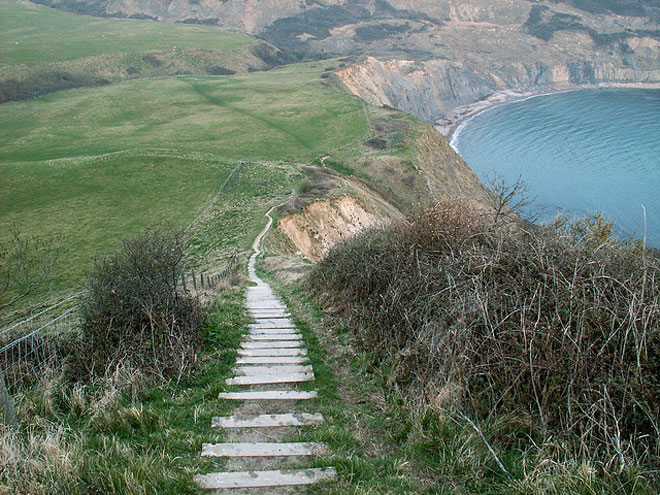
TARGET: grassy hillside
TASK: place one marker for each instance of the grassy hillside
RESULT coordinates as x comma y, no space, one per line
33,34
46,50
265,116
99,163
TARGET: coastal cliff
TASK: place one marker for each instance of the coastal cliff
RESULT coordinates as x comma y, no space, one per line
434,88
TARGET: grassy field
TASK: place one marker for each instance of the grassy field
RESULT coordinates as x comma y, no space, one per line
33,34
45,50
98,164
280,114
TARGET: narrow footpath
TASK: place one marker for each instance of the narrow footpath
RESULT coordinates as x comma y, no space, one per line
272,361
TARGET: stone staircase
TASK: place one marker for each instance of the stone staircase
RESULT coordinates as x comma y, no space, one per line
272,362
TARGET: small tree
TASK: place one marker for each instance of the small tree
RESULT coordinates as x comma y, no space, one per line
508,199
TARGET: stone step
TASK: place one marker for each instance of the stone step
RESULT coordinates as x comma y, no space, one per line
274,306
273,322
271,370
280,336
271,316
282,324
273,344
263,449
272,360
267,420
271,352
270,379
269,395
274,331
263,304
256,479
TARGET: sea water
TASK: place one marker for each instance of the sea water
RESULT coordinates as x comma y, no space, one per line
578,152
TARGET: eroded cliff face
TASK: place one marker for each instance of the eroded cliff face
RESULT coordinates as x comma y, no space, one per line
388,186
250,16
324,223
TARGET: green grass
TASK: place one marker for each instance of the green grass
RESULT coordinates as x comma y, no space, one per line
33,34
98,164
236,215
94,203
281,114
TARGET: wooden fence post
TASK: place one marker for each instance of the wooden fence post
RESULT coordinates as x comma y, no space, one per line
183,279
7,405
194,281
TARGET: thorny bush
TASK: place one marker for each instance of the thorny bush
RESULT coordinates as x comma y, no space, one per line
133,314
541,322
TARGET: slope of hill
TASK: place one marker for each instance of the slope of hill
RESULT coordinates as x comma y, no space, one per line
47,50
97,164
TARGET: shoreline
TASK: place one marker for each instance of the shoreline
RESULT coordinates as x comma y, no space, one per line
453,123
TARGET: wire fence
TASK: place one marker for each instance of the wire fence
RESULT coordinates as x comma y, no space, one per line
196,281
26,346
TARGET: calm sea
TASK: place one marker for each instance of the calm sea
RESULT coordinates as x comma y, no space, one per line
578,152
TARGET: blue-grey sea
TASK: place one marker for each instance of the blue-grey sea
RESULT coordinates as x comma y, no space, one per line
578,152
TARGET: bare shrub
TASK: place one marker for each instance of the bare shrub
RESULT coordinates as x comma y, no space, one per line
134,316
26,266
551,324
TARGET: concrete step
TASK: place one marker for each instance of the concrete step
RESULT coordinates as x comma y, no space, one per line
274,331
264,304
273,322
267,337
272,360
267,420
263,449
283,323
257,315
269,316
269,395
271,352
278,307
273,344
271,370
256,479
270,379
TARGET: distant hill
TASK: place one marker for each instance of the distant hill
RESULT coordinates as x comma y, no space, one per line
481,45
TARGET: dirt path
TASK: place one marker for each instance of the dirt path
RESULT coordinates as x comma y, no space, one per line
272,363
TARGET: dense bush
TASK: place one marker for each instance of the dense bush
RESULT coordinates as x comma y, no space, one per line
46,81
132,313
218,70
559,326
377,32
633,8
